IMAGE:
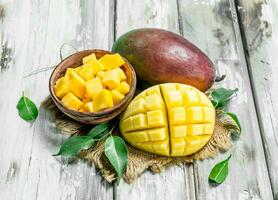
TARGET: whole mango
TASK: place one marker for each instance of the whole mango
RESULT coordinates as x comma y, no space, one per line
160,56
169,119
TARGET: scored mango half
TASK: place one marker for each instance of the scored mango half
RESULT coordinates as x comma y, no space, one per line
169,119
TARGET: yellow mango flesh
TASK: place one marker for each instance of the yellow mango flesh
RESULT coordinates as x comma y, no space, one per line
117,96
111,61
75,83
89,58
93,87
87,107
71,101
86,83
170,119
111,79
103,100
123,87
101,74
96,66
121,73
61,88
87,72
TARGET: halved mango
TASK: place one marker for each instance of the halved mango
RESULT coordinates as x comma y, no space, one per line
183,112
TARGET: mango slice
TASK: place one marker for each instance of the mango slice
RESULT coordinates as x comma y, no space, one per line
117,96
111,61
93,87
123,87
75,83
87,72
89,58
87,107
111,79
96,65
61,88
100,74
103,100
121,73
71,101
169,119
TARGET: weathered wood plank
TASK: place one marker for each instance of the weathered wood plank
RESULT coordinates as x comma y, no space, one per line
176,182
260,29
32,33
212,25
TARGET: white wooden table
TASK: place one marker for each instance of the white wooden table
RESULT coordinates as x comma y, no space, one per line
240,36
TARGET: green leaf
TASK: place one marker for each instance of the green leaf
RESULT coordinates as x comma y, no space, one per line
116,152
100,130
234,117
27,110
221,96
220,171
73,145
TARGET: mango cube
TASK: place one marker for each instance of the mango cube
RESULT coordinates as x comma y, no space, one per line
89,58
87,72
111,79
117,96
82,109
170,119
77,69
111,61
100,74
61,88
156,118
96,65
123,87
103,100
121,73
158,134
93,87
71,101
75,83
87,107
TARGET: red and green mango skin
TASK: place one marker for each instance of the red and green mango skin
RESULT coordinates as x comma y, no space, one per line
160,56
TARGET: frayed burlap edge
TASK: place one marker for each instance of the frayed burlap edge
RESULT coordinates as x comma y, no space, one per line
139,161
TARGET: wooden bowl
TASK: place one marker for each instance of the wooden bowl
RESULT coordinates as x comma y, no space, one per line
74,61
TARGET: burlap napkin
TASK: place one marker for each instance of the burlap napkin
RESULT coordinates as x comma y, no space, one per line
139,161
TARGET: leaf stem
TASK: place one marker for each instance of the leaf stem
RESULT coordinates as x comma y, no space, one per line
108,133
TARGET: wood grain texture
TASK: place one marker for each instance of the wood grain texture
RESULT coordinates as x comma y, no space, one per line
177,182
32,34
260,29
212,26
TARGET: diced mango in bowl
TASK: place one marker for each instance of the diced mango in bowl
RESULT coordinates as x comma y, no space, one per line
96,85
